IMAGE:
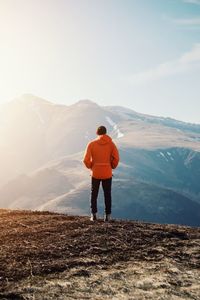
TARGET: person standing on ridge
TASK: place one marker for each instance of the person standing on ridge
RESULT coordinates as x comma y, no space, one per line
101,156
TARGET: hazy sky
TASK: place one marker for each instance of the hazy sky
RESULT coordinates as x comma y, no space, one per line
142,54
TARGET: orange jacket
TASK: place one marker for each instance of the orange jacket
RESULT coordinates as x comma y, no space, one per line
101,156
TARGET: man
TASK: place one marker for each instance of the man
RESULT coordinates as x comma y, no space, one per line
101,156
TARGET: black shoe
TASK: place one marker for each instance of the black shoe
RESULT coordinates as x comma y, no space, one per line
107,218
93,217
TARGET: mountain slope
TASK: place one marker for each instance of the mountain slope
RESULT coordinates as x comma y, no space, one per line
41,152
64,186
175,168
35,131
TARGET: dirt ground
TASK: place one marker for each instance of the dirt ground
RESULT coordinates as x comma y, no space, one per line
53,256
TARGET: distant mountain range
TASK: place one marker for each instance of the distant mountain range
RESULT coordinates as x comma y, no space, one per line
41,150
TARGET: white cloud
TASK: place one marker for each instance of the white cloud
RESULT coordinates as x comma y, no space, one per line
187,22
192,1
192,56
188,61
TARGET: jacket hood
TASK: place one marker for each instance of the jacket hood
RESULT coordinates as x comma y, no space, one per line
103,139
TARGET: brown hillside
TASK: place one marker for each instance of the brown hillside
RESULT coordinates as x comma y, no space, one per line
37,247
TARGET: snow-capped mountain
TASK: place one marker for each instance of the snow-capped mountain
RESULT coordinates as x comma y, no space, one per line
42,147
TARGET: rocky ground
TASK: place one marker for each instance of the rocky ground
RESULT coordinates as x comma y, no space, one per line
53,256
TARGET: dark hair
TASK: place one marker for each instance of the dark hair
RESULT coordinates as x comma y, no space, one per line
101,130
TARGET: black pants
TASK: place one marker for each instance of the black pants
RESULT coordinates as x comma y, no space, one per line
106,184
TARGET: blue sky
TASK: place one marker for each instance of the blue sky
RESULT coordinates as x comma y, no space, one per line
142,54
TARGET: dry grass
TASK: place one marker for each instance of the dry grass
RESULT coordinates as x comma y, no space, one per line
41,244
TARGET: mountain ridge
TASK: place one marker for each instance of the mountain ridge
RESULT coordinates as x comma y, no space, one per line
27,97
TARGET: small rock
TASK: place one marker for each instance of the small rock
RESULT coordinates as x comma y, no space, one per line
83,273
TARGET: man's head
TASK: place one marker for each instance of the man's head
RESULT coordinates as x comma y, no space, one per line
101,130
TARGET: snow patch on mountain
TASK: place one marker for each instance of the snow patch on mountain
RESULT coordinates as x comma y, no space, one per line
170,155
115,127
163,155
167,156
